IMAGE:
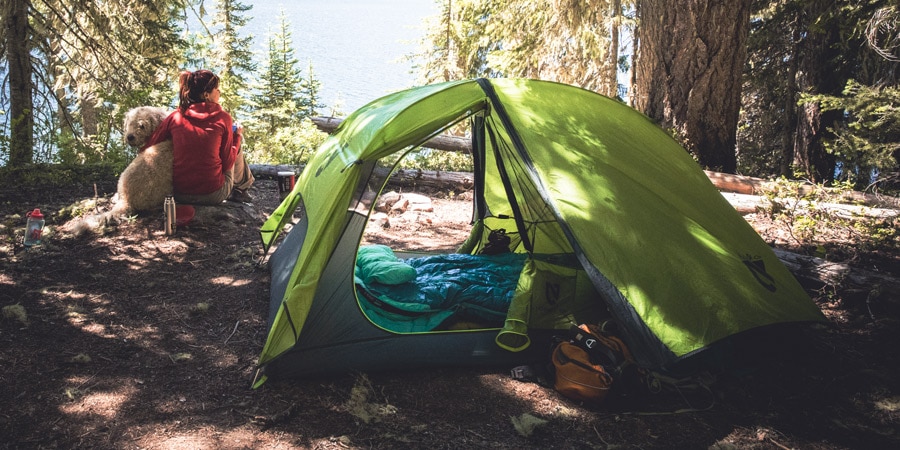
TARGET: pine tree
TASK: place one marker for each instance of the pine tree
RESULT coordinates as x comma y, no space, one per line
310,99
456,44
867,142
574,42
233,53
813,65
278,130
278,100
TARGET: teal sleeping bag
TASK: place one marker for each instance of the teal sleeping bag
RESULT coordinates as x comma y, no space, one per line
468,287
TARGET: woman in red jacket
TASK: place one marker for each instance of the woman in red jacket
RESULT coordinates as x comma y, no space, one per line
208,166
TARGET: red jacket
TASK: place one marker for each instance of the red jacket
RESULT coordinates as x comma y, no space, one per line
204,147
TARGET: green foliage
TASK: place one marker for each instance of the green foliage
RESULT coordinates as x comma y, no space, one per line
867,143
80,208
232,51
282,95
86,57
277,128
57,175
310,89
803,212
811,47
457,43
291,145
567,42
198,50
428,159
105,146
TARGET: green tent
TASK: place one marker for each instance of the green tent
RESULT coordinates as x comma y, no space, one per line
611,217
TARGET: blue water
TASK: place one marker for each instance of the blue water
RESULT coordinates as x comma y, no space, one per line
356,47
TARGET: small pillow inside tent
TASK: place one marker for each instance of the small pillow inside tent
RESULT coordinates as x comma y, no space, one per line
378,263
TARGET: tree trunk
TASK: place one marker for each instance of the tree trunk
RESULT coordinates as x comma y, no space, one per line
90,118
810,156
21,104
788,133
636,43
816,75
688,72
749,204
612,65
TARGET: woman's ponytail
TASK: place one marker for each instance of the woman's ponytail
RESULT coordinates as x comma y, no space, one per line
193,86
184,90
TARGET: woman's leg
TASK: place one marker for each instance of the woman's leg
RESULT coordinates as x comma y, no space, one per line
241,174
213,198
241,179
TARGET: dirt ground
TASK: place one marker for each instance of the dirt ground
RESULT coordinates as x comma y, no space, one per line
135,339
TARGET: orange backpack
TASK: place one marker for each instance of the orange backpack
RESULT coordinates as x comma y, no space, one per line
587,365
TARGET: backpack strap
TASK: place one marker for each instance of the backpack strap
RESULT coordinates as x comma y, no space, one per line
532,374
595,348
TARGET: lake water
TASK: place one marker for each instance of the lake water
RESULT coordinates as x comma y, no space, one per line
356,47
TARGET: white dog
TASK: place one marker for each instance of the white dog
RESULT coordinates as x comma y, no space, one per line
146,182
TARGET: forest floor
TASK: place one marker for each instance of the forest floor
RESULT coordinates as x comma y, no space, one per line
136,339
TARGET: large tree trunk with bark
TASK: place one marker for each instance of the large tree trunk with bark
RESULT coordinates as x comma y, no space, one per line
810,155
21,104
688,72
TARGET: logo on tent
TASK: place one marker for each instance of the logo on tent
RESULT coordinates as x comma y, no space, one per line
331,158
758,268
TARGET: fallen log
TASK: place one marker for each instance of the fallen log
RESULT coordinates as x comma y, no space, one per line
440,142
749,204
429,180
744,203
741,184
815,273
270,172
433,180
724,182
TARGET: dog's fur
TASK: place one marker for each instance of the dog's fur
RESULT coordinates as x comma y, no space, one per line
145,183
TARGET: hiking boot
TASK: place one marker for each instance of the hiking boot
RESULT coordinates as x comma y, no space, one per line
240,196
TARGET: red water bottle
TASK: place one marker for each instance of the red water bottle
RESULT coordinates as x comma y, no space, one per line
34,227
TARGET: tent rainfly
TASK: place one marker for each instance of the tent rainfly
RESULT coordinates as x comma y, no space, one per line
583,211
